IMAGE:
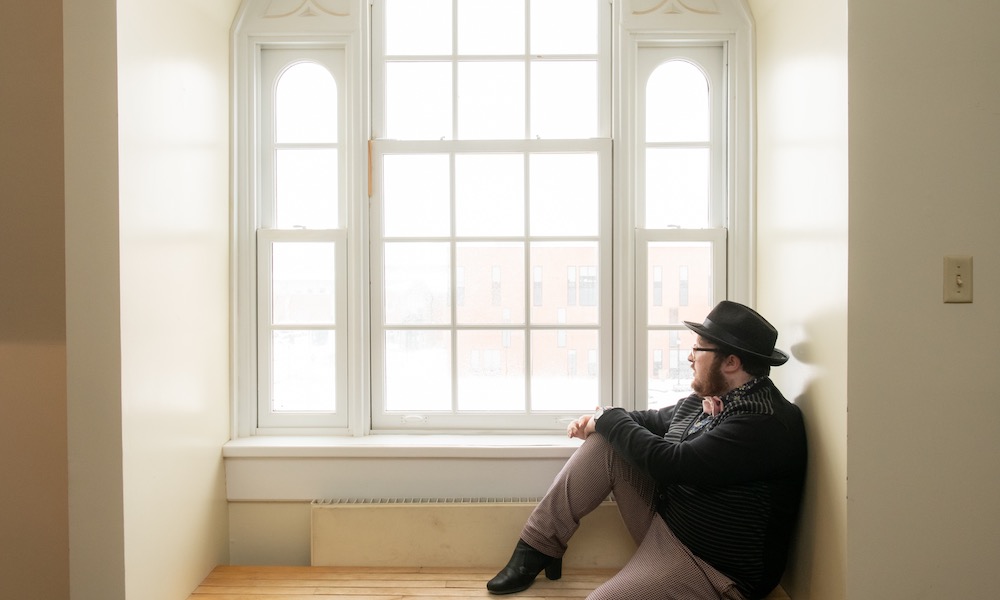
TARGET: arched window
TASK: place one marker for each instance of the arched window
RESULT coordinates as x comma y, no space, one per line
305,148
678,146
682,204
301,251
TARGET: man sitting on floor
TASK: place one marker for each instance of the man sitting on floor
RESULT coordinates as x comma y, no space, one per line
709,488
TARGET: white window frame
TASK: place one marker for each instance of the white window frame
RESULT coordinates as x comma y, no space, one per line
346,25
275,58
258,28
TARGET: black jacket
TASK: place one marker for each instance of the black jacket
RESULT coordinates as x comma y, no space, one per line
730,491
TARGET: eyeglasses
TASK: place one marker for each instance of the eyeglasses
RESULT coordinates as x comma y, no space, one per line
697,349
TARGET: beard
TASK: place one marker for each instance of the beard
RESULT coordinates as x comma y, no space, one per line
711,383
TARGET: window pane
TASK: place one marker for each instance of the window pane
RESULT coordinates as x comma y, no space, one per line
677,187
417,27
418,101
489,194
417,283
669,378
303,283
417,370
490,27
565,378
303,371
564,99
306,188
492,282
306,105
686,269
491,100
552,260
563,27
491,370
677,105
416,195
564,194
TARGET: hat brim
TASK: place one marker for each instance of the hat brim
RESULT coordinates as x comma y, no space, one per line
776,358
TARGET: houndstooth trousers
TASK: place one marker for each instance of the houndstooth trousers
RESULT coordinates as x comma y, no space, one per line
662,568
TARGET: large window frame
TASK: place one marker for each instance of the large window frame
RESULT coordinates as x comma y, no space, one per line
625,361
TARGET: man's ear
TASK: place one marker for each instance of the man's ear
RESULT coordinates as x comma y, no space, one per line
732,364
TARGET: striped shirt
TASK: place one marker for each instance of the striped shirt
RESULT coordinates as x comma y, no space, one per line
728,486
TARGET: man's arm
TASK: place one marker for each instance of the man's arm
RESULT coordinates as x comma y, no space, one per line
742,448
655,421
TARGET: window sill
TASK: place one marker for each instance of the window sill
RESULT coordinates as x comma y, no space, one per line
292,468
402,446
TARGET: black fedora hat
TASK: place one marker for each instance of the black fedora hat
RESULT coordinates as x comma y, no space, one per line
741,328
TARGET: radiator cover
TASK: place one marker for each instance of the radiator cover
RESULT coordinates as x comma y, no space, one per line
462,532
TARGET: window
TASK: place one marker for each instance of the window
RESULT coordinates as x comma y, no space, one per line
683,199
300,241
488,156
417,183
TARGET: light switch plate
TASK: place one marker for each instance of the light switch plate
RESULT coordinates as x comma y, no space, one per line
957,279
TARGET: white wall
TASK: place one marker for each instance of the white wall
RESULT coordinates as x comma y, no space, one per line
924,422
174,185
147,270
802,257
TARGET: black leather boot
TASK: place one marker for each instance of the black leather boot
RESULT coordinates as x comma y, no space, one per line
522,568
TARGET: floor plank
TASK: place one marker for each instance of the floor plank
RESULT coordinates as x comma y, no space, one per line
388,583
356,583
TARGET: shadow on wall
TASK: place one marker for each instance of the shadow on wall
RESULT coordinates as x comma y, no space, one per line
818,562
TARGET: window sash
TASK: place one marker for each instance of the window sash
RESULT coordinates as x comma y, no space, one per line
267,416
710,60
603,57
450,417
274,59
650,390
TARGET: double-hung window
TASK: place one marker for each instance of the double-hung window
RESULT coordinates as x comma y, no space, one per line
301,241
492,170
682,205
469,216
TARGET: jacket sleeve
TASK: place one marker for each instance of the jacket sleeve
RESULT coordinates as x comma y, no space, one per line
656,421
741,448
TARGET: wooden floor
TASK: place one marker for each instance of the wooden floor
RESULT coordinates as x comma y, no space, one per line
388,583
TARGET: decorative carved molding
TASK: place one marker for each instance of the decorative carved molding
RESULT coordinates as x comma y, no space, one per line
279,9
678,7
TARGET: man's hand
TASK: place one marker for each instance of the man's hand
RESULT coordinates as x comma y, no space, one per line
582,427
712,405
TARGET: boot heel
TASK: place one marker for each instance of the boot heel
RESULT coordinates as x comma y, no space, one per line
554,570
524,565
